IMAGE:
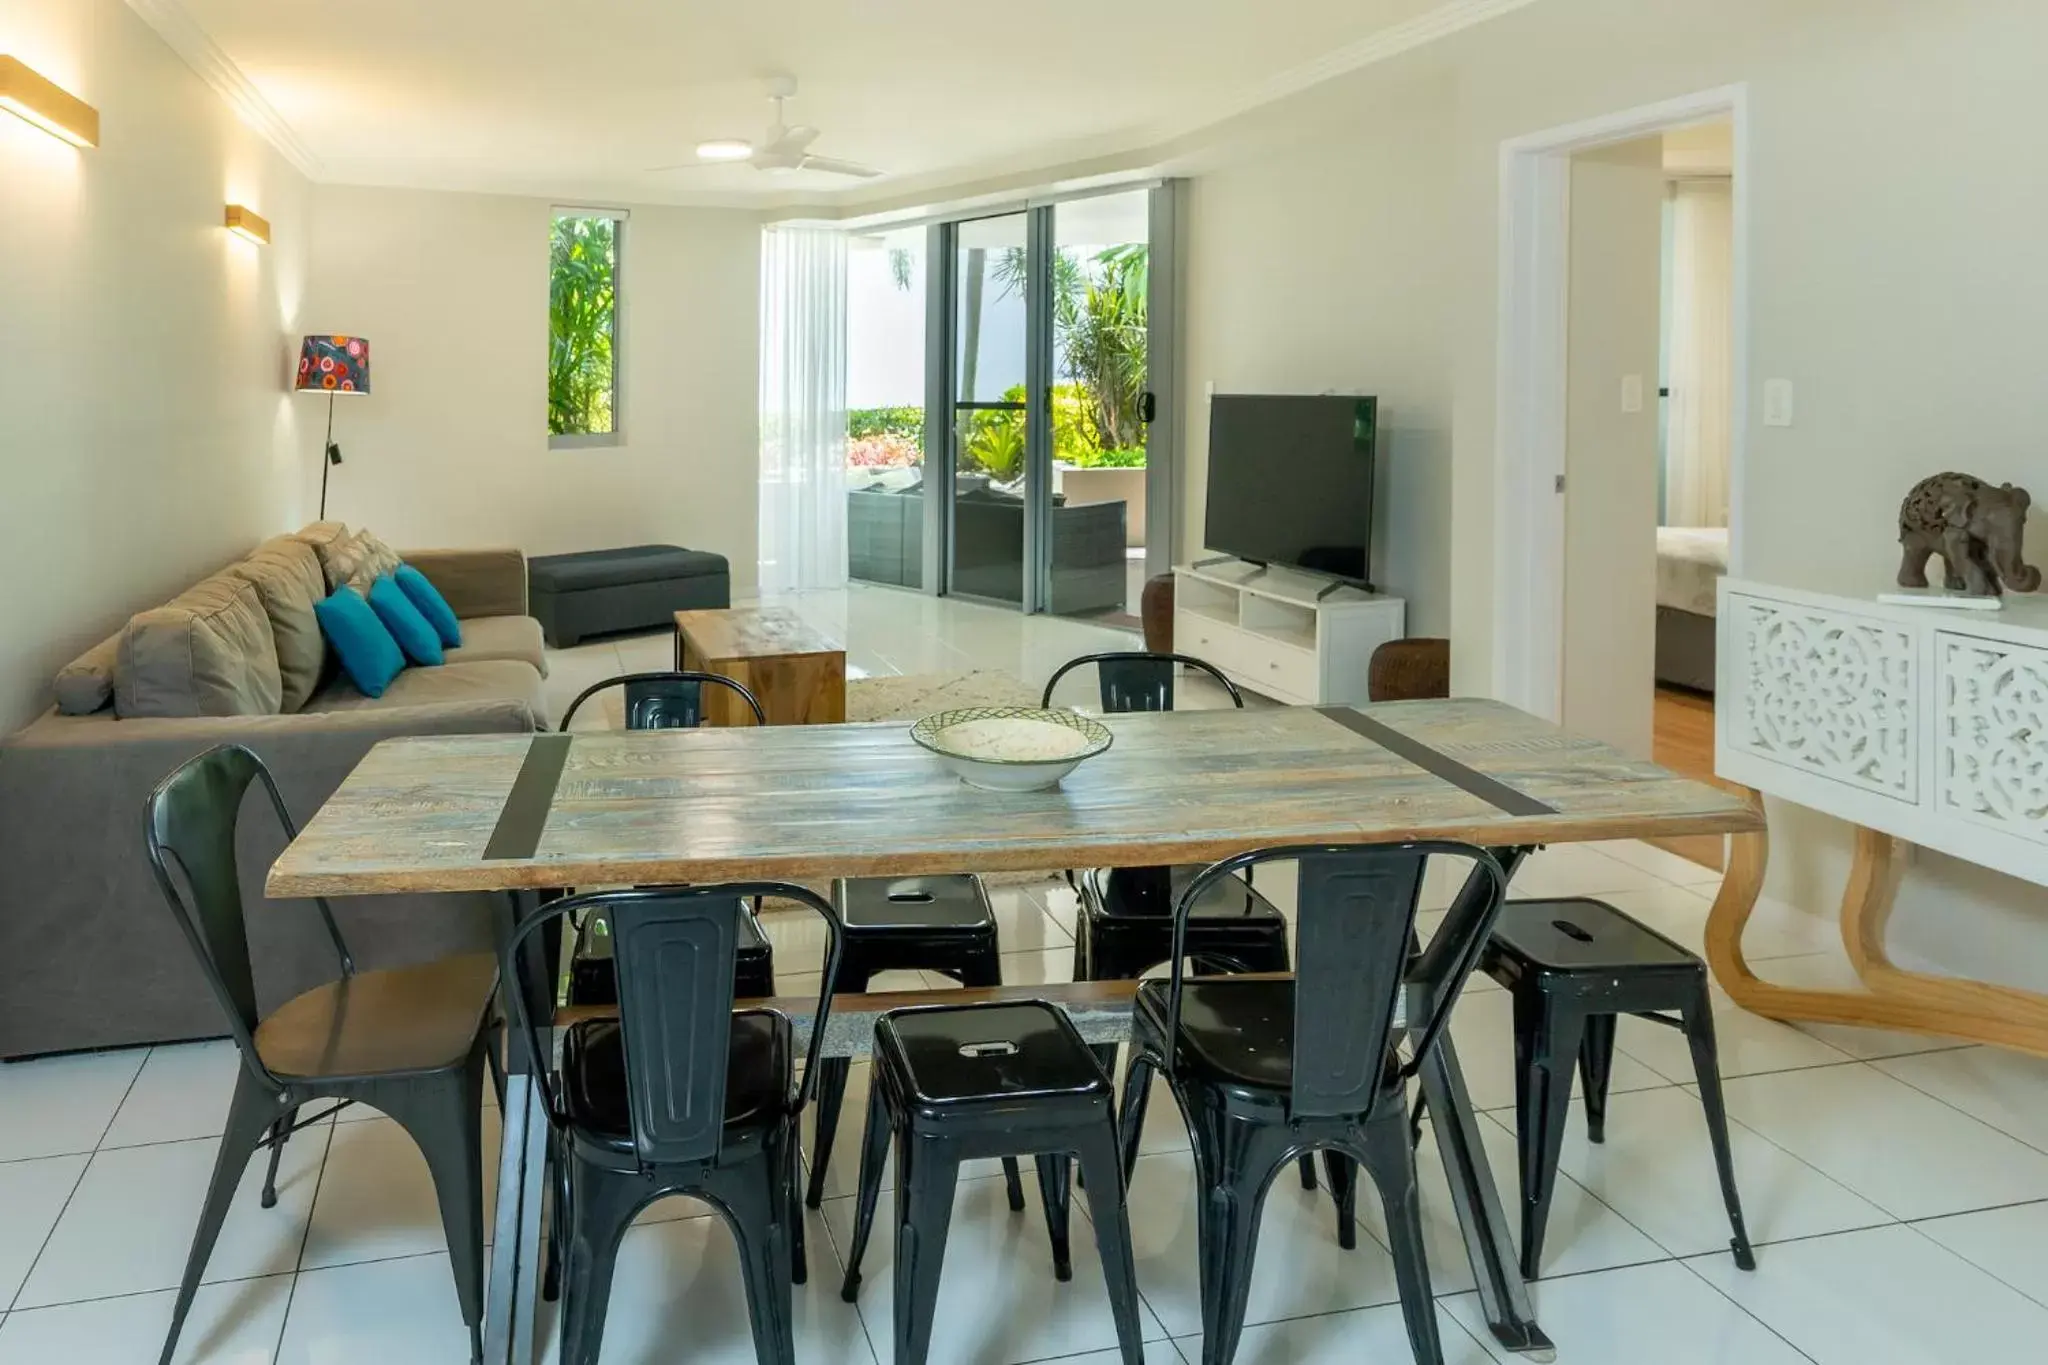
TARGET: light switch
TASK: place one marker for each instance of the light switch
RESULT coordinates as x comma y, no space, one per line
1778,403
1631,393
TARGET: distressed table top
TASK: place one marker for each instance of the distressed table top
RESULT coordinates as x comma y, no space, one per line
809,802
729,634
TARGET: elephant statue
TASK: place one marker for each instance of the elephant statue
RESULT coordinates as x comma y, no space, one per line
1974,527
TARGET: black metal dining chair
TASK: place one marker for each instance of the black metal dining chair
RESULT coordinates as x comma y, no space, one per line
663,701
1267,1071
679,1095
1124,925
413,1042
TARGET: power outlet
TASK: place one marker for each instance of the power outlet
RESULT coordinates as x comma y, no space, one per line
1631,393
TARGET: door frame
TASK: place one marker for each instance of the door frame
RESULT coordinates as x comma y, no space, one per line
1530,429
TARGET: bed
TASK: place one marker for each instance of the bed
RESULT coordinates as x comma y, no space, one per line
1690,563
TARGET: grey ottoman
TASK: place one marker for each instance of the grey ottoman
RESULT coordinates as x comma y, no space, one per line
636,587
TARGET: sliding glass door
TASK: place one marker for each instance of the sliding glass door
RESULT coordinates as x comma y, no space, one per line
1037,472
992,427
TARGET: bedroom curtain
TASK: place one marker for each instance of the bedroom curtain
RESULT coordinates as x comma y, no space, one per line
1702,353
803,409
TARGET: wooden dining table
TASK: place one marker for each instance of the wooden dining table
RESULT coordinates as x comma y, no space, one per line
526,814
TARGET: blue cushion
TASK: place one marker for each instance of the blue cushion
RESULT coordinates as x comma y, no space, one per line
368,654
403,620
432,605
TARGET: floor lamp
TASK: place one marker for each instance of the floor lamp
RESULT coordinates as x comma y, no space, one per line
335,366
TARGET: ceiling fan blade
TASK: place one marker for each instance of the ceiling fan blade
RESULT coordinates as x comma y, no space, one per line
792,141
832,165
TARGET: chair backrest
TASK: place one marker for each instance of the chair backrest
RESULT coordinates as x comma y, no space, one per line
1355,928
191,823
1409,670
673,948
665,701
1139,680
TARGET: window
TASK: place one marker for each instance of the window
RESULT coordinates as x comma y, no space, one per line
583,327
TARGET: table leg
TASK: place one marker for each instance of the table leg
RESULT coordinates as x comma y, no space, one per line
513,1289
1502,1295
509,1298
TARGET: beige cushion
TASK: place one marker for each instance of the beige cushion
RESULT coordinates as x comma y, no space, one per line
359,562
502,637
489,680
86,684
208,652
287,576
327,539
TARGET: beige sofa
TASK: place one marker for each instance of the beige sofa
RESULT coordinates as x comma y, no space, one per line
91,955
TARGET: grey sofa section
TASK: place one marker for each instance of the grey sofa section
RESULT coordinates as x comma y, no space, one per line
93,957
635,587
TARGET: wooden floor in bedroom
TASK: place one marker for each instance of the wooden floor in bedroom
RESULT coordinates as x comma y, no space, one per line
1684,742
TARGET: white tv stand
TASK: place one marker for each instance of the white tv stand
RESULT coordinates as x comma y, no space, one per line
1290,636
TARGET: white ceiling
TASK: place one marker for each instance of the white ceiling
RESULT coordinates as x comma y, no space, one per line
578,97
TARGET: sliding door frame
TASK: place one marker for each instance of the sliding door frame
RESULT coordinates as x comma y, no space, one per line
1166,200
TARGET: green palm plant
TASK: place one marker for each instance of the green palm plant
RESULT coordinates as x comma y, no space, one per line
583,275
1099,328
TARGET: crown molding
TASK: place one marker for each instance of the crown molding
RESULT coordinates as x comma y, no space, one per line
1438,22
182,33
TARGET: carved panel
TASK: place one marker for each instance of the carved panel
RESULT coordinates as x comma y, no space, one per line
1991,734
1828,693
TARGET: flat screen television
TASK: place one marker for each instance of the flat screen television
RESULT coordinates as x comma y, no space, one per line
1291,481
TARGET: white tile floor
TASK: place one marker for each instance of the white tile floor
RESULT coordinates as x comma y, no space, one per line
1898,1190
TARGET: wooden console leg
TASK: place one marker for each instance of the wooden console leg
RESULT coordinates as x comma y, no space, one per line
1892,998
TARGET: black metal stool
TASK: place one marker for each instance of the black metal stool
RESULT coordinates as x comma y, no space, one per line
1572,967
957,1082
937,924
593,980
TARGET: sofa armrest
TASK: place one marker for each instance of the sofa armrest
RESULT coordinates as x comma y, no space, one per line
95,957
476,582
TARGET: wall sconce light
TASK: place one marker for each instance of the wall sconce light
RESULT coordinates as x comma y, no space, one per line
249,225
35,100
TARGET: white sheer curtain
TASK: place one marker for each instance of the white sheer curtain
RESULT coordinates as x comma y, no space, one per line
1702,353
803,409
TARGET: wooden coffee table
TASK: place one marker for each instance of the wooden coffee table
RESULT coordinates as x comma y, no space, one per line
797,673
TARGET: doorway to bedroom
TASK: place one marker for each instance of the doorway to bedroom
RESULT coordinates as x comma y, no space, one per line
1649,427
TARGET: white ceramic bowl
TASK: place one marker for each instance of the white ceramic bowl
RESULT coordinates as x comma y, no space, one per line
1011,748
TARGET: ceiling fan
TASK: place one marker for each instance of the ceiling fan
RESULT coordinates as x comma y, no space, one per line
781,149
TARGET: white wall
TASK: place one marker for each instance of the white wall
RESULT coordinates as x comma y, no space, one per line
1895,222
451,448
146,433
1315,265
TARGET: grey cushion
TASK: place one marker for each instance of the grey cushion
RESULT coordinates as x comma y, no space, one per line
86,684
485,680
612,568
287,576
207,652
501,637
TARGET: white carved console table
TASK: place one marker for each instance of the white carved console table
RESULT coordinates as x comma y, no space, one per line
1916,724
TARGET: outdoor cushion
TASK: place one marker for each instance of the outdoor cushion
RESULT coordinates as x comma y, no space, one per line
361,640
406,623
288,580
86,684
501,637
432,605
612,568
207,652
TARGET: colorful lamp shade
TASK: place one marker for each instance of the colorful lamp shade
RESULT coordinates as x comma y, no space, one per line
334,365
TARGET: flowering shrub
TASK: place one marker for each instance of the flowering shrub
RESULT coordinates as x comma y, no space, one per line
888,450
